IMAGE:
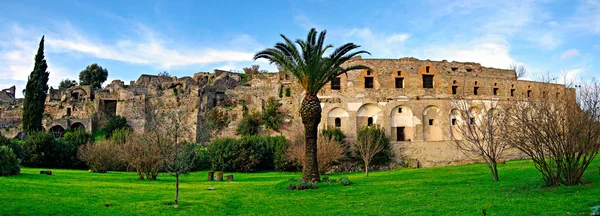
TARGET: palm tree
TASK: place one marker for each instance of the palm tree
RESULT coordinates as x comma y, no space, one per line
313,70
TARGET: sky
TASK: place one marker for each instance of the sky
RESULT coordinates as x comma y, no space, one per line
550,38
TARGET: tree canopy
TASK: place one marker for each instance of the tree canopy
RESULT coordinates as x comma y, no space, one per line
93,75
66,83
35,93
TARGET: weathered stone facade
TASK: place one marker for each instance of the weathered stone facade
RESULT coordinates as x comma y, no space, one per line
409,98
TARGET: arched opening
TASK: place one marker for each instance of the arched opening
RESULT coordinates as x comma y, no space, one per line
457,118
58,131
337,117
402,123
77,126
431,126
368,115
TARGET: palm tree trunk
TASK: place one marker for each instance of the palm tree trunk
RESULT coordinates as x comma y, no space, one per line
310,111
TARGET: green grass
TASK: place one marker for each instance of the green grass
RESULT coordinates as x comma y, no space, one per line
458,190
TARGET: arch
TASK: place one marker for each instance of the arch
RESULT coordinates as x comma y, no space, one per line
369,110
77,125
58,131
431,125
457,119
339,118
337,112
77,93
402,123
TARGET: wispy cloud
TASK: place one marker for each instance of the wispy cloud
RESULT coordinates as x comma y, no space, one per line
569,53
145,47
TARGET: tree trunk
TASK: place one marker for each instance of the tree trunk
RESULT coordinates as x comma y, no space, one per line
310,111
176,191
367,168
494,169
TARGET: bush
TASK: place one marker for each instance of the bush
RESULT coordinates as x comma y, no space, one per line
13,144
100,157
119,136
77,137
37,148
40,149
63,154
271,116
328,151
202,161
301,185
9,164
249,125
141,155
247,154
115,122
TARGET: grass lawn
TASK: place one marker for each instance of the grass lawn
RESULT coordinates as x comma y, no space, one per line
458,190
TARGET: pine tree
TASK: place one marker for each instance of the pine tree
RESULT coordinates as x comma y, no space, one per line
35,93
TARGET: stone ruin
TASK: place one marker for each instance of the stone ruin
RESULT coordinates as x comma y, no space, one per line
408,97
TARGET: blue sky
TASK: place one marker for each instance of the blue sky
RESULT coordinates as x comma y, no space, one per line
560,38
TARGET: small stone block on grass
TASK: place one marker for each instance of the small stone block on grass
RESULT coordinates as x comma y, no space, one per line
229,177
47,172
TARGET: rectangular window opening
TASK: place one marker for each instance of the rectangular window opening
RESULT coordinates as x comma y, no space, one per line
399,82
368,82
528,93
454,88
475,90
430,121
427,81
512,92
336,84
495,91
399,110
453,121
427,69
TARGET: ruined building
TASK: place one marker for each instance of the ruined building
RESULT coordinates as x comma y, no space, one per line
409,98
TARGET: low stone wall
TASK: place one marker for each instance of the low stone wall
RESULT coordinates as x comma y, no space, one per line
440,153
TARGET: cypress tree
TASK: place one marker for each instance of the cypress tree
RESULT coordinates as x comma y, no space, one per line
35,93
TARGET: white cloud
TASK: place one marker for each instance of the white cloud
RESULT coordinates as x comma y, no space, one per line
378,44
490,52
569,53
18,45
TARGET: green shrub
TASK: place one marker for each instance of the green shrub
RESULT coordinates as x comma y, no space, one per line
77,137
271,116
115,122
63,154
249,125
251,153
202,161
13,144
119,136
40,149
301,185
36,149
9,164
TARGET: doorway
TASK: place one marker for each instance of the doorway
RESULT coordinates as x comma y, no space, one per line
400,134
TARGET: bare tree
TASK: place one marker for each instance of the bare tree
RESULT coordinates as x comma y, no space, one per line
142,154
167,130
561,133
478,131
519,69
370,141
